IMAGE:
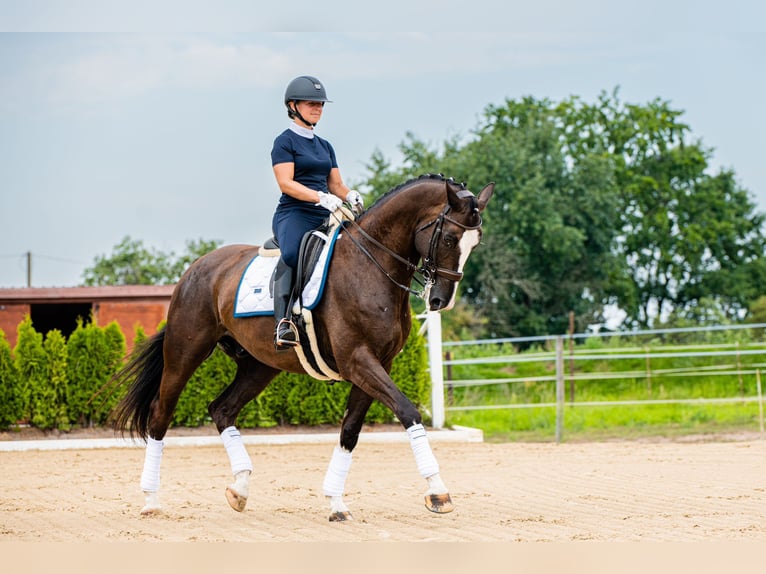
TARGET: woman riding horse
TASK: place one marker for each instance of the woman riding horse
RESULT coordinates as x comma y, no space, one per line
361,323
308,176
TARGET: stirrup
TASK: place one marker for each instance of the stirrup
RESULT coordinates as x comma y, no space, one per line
285,335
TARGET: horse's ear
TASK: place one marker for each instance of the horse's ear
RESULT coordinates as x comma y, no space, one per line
485,195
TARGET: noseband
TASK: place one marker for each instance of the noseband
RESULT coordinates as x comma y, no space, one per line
430,270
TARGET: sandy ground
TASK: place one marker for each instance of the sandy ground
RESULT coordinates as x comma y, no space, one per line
612,491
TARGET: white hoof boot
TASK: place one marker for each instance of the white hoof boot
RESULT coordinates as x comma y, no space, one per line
237,492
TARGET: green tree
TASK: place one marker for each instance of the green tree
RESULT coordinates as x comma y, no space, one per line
686,235
595,204
132,263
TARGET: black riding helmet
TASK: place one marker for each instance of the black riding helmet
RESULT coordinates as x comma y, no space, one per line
304,89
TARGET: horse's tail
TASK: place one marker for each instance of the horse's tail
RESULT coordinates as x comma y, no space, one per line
144,369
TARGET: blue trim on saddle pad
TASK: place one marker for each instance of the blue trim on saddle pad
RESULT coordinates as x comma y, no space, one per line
330,249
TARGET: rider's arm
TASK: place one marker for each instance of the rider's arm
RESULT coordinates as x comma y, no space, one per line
335,184
285,173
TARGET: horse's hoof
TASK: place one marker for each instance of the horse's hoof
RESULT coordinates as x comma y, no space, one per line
439,503
235,500
341,516
150,510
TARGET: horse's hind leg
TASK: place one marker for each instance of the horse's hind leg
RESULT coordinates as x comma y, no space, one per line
181,359
251,378
335,479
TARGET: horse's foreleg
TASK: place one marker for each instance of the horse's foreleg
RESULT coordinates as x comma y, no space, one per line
369,374
251,378
437,496
334,483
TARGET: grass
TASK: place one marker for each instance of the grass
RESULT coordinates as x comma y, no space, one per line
604,423
709,371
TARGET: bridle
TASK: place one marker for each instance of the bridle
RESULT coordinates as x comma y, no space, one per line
430,269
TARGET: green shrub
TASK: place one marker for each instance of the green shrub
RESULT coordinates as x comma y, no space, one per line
48,401
208,381
31,366
58,383
94,355
10,386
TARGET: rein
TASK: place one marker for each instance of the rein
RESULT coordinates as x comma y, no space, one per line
430,269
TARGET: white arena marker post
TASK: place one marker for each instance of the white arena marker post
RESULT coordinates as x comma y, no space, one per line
434,323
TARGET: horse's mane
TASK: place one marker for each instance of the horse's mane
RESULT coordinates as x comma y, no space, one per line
409,183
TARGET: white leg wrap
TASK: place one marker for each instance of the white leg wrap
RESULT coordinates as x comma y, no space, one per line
335,479
235,448
436,485
150,477
424,458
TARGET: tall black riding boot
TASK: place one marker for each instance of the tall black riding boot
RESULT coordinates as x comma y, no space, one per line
285,334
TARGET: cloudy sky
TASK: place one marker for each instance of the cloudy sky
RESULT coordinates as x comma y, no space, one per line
114,123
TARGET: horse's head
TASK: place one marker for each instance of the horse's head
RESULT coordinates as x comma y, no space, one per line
454,233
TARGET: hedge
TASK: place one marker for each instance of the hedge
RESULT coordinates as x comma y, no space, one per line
52,382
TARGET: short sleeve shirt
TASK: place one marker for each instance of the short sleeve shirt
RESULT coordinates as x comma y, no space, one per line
313,158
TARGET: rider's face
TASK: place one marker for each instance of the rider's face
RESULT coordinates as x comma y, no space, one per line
311,111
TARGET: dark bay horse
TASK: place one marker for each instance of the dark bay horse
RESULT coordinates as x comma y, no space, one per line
362,322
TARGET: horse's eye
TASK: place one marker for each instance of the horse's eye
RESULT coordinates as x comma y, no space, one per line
450,240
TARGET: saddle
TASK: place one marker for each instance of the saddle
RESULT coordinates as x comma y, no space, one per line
311,251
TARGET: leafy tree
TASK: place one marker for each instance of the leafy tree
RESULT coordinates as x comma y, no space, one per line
687,235
595,204
132,263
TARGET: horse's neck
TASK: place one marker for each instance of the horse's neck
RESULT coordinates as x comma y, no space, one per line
395,222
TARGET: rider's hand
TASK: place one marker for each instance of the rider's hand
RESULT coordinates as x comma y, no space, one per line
329,201
354,198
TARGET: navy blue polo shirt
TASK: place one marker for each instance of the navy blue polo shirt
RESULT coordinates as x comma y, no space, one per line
313,158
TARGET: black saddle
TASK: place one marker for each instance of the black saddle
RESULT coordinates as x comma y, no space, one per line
308,254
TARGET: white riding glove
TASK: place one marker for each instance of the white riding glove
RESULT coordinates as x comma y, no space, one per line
329,201
355,199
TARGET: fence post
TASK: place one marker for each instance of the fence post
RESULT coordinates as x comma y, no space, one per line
648,373
559,388
434,321
450,386
760,398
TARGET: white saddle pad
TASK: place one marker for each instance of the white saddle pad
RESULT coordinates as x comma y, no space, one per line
254,295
